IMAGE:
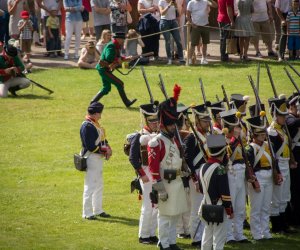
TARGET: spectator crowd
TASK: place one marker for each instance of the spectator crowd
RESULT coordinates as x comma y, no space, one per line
241,24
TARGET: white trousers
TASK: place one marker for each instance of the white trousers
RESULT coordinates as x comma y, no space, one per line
22,82
261,205
214,236
93,186
196,199
167,229
281,193
73,27
183,222
148,218
237,189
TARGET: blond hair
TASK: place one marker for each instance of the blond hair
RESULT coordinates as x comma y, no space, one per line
132,34
103,34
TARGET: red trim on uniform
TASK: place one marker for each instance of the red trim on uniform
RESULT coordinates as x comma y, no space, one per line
213,160
155,156
141,172
217,125
229,210
117,80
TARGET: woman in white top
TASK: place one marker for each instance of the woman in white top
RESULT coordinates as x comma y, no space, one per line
15,7
168,11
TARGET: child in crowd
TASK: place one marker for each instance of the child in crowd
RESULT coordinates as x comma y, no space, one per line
131,45
293,29
89,56
52,33
104,39
132,42
25,27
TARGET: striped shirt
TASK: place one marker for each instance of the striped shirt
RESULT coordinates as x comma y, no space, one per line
293,20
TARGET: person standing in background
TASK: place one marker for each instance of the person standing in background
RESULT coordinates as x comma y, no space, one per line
101,12
73,25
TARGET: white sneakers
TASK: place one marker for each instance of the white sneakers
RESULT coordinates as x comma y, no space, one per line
169,62
66,57
203,61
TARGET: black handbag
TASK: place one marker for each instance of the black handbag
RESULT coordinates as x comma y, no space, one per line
170,174
85,16
80,162
213,213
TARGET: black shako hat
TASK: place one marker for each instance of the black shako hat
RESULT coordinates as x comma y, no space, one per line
95,107
216,144
11,50
167,112
119,35
216,107
257,124
252,110
278,106
149,111
201,112
229,117
238,102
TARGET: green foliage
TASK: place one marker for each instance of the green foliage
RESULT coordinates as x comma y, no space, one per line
40,190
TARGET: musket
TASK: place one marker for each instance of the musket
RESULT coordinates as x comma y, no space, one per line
225,97
185,167
275,169
293,68
271,80
257,77
292,158
217,97
138,57
291,79
249,170
205,102
38,85
147,84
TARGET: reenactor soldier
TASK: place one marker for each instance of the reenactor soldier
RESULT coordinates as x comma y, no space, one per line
239,102
260,160
215,109
111,59
165,165
236,174
293,123
216,192
182,229
280,144
195,157
138,157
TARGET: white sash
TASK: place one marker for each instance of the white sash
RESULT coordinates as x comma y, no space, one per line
261,151
296,139
201,154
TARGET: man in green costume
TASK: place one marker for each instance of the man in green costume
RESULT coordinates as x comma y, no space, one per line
110,59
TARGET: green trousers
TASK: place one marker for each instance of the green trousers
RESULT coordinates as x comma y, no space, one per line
107,79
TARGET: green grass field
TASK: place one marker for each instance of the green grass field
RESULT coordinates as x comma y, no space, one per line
40,190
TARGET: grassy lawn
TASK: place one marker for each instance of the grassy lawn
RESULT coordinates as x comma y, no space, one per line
40,190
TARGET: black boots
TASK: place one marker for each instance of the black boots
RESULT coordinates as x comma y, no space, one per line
97,97
13,90
275,221
124,98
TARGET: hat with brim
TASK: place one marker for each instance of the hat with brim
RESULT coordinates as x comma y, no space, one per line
150,111
120,35
201,112
292,100
257,124
238,102
216,144
229,117
11,50
24,14
278,106
217,107
167,112
95,107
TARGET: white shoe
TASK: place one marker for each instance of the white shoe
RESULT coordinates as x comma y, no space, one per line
66,57
204,61
190,61
169,62
280,59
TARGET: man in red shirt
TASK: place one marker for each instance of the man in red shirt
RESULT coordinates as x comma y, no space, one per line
226,22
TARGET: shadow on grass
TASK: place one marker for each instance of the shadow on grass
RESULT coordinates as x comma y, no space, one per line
132,109
121,220
33,97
